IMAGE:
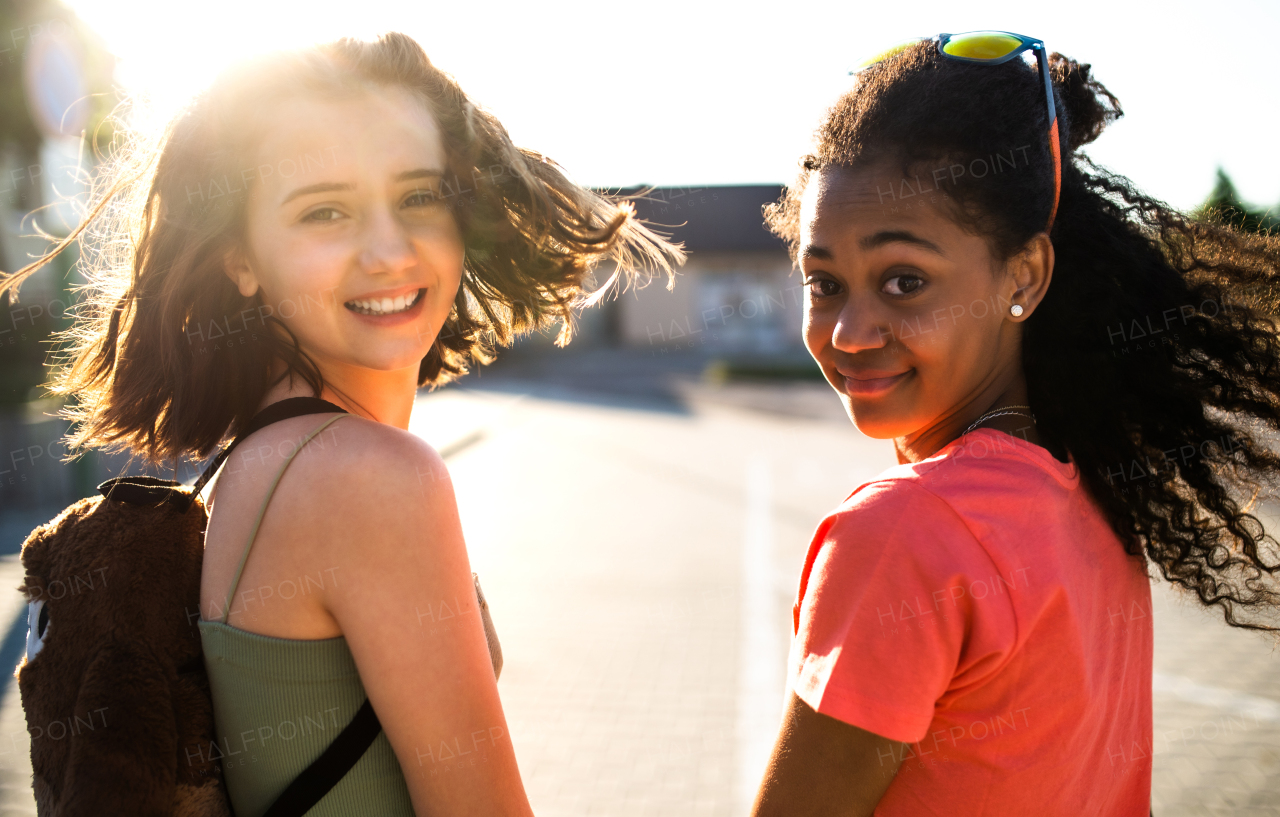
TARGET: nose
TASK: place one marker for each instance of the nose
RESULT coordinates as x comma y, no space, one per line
861,326
386,246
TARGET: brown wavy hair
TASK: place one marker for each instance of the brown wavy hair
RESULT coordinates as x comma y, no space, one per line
157,232
1173,430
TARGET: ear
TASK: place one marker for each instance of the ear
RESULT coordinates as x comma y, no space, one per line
1031,271
236,265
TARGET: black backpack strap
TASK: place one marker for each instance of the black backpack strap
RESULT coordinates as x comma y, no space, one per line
325,771
274,413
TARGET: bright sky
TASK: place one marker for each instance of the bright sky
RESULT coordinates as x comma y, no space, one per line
695,92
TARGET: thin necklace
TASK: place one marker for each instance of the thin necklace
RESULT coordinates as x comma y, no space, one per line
1000,412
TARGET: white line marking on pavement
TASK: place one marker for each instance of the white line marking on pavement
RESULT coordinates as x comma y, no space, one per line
1263,709
761,677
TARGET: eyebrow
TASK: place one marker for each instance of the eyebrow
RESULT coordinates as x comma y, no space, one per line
816,253
322,187
883,237
420,173
334,187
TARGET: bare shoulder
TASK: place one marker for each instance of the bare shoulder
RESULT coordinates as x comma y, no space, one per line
377,463
334,472
318,495
333,448
373,483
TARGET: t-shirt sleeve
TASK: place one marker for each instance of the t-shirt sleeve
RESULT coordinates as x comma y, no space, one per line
884,619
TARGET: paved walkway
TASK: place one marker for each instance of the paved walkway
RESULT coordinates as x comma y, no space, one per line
624,576
640,566
1216,736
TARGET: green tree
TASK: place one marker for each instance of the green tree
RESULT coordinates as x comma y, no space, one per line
1224,206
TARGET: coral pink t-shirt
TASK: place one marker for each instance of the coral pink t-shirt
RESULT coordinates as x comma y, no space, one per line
978,606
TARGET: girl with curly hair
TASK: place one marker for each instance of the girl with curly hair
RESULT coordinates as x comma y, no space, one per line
1080,383
338,223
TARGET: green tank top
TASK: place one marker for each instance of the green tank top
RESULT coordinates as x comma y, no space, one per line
279,702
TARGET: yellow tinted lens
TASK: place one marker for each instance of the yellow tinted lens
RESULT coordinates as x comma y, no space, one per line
981,45
884,55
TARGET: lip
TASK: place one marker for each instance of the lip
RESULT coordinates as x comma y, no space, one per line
871,382
408,316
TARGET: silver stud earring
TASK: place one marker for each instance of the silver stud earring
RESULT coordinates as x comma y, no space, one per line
1015,310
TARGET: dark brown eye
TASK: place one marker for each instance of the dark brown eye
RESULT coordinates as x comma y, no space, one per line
823,287
907,284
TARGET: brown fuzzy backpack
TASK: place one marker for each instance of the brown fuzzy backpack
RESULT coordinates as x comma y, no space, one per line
112,657
113,683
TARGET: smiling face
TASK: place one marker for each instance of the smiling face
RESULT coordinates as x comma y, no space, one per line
346,227
906,312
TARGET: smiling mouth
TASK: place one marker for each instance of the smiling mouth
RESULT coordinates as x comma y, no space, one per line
386,306
873,387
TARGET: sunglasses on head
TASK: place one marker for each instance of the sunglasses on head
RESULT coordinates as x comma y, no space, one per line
994,48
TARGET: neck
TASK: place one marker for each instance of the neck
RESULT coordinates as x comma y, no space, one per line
928,441
384,397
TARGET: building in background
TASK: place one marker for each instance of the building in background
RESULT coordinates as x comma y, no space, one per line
737,296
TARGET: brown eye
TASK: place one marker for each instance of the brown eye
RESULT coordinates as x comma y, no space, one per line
318,215
907,284
422,198
822,287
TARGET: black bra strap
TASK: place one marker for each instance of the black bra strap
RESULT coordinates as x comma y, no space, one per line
323,774
274,413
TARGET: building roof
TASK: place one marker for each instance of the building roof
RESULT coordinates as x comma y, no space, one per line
712,218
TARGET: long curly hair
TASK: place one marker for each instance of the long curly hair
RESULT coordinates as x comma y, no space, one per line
143,357
1154,358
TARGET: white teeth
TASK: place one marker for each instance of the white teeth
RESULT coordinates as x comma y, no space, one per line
385,306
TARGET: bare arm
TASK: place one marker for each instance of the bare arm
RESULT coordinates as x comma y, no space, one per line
823,767
406,604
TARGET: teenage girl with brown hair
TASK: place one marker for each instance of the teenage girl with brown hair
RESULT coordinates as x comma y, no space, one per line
338,222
